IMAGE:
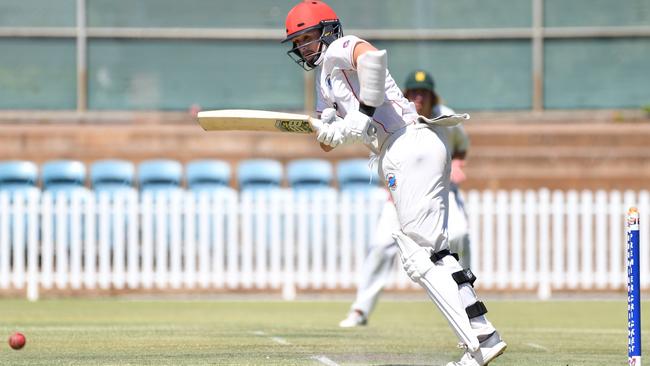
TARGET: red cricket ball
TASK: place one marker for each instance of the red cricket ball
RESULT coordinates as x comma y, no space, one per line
17,341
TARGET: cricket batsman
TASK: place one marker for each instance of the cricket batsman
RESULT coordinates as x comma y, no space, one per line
359,102
419,89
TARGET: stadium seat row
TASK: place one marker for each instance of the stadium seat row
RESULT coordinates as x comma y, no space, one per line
153,175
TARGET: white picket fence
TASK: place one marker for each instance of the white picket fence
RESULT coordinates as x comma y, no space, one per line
290,241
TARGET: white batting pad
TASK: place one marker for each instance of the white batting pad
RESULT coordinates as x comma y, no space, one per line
440,286
371,68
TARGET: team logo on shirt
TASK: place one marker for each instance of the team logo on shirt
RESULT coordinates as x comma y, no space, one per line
391,181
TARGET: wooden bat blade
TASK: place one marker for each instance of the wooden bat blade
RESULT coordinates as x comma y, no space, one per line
254,120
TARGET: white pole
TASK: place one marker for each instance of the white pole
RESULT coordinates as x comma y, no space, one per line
503,252
175,255
615,240
289,286
531,249
90,243
331,241
303,279
133,243
260,230
544,285
119,221
190,240
19,241
317,216
516,237
601,239
5,213
275,255
32,246
487,252
246,245
345,216
62,244
233,214
104,242
147,240
47,254
204,239
586,239
162,235
75,240
559,272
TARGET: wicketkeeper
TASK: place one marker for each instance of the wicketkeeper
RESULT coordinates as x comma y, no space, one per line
360,103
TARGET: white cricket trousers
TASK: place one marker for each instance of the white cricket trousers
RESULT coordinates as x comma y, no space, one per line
416,167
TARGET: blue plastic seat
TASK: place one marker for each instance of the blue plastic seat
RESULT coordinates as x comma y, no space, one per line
207,175
259,174
309,174
67,177
355,175
160,175
112,176
18,176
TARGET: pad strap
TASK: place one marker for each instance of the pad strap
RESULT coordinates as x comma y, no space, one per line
441,254
464,276
476,309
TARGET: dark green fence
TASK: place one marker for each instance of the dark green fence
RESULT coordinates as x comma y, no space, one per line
169,55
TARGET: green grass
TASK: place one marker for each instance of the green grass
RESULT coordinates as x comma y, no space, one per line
120,332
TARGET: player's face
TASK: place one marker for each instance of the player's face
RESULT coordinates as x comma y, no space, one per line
423,100
308,44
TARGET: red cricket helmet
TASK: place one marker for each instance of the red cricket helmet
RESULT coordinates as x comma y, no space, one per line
307,16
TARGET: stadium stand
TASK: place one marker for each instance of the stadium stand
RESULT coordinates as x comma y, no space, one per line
259,174
309,174
112,176
207,175
18,176
64,176
355,175
160,175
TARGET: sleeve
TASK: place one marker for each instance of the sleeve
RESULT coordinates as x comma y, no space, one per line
459,141
339,54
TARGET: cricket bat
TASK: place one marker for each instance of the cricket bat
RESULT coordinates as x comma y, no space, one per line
255,120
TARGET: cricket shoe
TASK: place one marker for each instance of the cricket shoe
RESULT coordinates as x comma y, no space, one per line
355,318
490,349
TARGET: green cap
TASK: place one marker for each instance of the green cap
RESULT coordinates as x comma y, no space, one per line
419,79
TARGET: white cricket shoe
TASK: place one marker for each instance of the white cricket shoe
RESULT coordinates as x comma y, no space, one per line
355,318
490,349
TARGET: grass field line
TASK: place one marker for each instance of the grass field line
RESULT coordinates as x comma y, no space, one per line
320,358
566,330
324,360
537,346
278,340
100,328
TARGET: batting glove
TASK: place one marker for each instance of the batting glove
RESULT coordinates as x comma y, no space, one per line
331,131
356,124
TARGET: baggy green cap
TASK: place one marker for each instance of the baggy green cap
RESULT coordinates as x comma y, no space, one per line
419,79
